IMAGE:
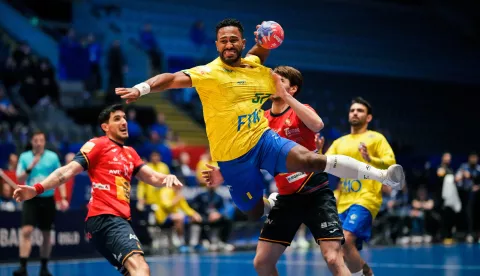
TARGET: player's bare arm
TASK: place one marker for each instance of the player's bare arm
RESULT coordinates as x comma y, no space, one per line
258,50
309,117
151,177
57,178
158,83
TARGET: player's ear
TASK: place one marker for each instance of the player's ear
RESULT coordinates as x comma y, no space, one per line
369,118
244,43
104,127
293,90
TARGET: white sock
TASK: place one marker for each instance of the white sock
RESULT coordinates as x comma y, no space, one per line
195,231
360,273
267,206
346,167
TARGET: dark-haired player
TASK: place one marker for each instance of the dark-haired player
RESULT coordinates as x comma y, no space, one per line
111,166
232,90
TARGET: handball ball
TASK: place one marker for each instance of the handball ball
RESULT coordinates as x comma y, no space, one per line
270,35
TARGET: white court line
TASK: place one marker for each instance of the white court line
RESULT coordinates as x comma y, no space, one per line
198,259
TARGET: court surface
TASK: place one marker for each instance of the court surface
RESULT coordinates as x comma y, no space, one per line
432,260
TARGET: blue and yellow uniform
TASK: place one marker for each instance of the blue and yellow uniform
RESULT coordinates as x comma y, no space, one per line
359,200
238,133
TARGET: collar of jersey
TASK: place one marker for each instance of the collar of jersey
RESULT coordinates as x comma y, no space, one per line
279,114
120,145
243,61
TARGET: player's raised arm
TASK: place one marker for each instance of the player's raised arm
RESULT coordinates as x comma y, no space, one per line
158,83
270,35
151,177
306,114
57,178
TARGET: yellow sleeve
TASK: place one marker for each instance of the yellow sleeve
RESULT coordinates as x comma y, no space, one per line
383,157
253,58
164,168
183,204
201,76
332,149
141,192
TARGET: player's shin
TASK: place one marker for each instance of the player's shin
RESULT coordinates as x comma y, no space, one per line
346,167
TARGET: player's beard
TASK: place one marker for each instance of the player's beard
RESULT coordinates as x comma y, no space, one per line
357,123
230,61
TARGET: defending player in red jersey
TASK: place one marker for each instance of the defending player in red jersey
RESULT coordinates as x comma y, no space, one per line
111,166
304,197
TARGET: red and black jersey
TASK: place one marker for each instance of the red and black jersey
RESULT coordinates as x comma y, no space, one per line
111,167
288,125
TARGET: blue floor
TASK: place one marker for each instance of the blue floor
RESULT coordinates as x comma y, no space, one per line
459,260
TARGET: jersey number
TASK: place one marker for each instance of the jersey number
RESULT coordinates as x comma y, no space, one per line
260,98
123,188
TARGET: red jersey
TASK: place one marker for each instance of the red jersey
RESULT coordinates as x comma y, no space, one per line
288,125
111,167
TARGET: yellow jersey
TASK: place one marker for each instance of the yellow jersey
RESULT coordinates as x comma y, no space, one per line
149,192
166,206
367,193
232,98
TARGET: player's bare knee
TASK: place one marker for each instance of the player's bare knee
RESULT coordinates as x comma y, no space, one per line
332,256
262,262
27,231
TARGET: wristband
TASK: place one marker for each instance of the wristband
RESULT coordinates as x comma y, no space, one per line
39,188
143,87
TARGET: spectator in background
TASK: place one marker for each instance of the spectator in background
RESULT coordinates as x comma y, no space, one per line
7,203
184,171
422,217
149,44
22,52
28,89
94,54
468,181
117,67
210,206
148,194
173,210
443,169
47,83
156,144
8,112
134,128
160,126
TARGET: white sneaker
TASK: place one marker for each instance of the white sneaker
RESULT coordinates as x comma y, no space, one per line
395,177
303,243
273,197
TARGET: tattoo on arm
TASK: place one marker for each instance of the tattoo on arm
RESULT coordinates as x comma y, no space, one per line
61,177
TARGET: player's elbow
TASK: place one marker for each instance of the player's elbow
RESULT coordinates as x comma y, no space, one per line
317,125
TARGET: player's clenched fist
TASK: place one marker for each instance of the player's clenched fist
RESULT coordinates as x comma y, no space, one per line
24,192
171,180
212,177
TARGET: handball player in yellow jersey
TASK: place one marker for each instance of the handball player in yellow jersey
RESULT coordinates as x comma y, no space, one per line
232,90
359,199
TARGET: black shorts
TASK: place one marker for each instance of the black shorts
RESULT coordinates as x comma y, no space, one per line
113,237
39,212
318,211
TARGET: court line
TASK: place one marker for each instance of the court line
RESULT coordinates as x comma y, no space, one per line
190,259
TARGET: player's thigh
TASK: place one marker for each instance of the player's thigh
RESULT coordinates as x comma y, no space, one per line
357,223
283,220
30,213
48,210
113,237
245,183
300,158
322,217
273,152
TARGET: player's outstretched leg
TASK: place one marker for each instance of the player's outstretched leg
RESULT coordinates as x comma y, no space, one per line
266,259
333,255
137,266
301,159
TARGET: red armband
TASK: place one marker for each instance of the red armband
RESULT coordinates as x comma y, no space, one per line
39,188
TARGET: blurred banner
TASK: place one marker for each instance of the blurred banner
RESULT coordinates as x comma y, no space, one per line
68,237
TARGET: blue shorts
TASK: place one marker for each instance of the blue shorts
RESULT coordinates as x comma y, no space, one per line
242,175
358,220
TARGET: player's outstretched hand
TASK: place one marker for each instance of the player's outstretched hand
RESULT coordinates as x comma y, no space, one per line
24,192
256,32
171,180
213,177
131,94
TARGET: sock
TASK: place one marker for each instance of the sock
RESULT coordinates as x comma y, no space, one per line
346,167
23,262
267,206
44,262
360,273
195,231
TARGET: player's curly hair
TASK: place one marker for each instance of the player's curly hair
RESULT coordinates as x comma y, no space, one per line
365,103
291,74
104,115
229,22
